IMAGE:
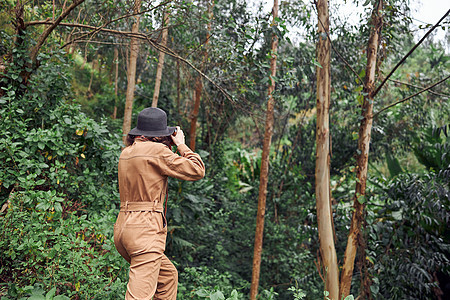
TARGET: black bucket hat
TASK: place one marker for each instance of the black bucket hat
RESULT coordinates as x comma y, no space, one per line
152,122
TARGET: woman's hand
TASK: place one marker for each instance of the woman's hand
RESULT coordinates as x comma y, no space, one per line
178,137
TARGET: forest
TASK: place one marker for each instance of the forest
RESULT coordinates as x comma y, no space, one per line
326,145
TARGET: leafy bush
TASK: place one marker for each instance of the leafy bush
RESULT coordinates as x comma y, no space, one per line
47,143
203,282
42,241
410,237
57,165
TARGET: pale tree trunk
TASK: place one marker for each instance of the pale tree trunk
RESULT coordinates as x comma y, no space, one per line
322,175
159,69
363,152
264,173
116,77
131,73
199,83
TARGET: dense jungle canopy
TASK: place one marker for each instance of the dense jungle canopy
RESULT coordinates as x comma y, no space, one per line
282,106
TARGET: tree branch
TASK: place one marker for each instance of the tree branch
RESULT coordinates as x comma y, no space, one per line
170,52
409,53
152,43
409,97
41,22
418,87
34,51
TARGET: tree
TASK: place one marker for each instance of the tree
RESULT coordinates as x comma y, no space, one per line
131,72
322,173
165,31
264,175
116,77
199,83
354,237
20,28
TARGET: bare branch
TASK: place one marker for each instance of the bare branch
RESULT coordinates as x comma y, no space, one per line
170,52
409,53
418,87
409,97
150,41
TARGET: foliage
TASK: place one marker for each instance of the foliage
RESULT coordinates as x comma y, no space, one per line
410,236
49,144
204,282
41,243
59,151
433,148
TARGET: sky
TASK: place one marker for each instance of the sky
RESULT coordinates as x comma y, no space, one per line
422,12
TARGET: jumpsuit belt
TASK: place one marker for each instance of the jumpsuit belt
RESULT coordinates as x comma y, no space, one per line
155,206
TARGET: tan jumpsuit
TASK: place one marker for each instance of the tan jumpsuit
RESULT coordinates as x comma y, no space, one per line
140,230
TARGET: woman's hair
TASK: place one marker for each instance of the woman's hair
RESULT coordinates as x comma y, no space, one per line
166,140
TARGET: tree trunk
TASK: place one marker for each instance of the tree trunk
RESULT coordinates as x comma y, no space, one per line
116,77
178,90
264,173
94,65
131,73
199,83
159,69
363,152
322,174
194,116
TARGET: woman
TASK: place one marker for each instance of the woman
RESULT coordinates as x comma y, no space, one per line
141,229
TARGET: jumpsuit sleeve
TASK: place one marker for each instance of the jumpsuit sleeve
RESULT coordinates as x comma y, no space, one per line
189,166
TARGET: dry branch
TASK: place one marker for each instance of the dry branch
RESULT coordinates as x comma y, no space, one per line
409,53
418,87
411,96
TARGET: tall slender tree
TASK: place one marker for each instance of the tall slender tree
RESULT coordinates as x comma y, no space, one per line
264,173
116,77
322,174
199,83
165,32
131,72
354,236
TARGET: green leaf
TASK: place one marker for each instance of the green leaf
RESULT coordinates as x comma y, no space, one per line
217,296
202,293
362,199
50,294
374,289
316,63
36,297
58,207
360,99
393,165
